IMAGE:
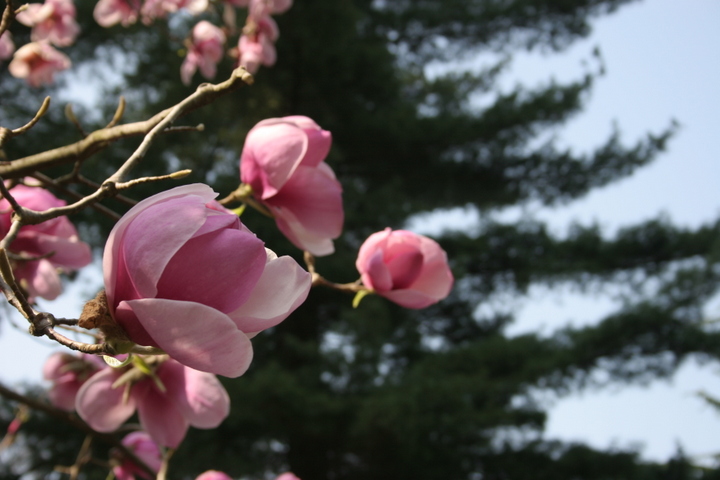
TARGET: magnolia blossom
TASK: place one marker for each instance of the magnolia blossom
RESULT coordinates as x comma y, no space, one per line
111,12
183,274
53,21
167,405
287,476
283,162
153,9
257,46
205,51
409,269
143,446
7,47
260,8
213,475
45,247
37,63
68,373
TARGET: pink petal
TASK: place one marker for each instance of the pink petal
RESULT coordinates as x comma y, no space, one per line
100,405
270,156
309,209
63,394
213,475
112,255
43,280
195,335
376,274
199,396
283,287
374,242
159,415
68,253
233,256
54,365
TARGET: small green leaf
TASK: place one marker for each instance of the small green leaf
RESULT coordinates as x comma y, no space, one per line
239,210
359,296
115,363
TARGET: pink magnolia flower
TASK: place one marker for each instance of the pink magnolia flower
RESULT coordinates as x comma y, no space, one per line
53,21
287,476
257,46
189,398
68,373
213,475
37,63
183,274
409,269
206,50
283,162
47,246
110,12
260,8
7,47
142,445
153,9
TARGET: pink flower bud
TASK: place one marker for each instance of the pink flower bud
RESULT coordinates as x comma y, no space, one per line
206,50
184,275
287,476
187,397
153,9
68,373
110,12
283,162
259,8
145,449
56,241
37,63
7,47
409,269
213,475
53,21
258,46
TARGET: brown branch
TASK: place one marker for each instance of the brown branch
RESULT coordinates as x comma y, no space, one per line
6,133
317,279
99,139
7,16
44,179
118,113
74,422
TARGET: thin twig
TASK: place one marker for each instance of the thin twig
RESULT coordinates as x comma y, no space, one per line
100,139
121,198
7,16
55,184
70,114
118,113
317,279
74,422
12,290
244,194
7,133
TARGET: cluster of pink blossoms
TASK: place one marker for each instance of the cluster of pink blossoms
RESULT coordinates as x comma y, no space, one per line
184,277
43,249
53,23
257,43
168,397
148,452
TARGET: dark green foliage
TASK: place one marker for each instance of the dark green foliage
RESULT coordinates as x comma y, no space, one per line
381,392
